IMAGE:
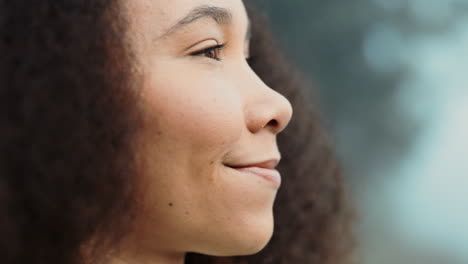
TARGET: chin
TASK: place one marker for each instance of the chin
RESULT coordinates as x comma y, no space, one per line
245,241
254,246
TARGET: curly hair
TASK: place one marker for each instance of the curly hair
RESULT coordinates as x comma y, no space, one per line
68,121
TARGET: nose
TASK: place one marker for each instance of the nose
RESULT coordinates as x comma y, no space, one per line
266,108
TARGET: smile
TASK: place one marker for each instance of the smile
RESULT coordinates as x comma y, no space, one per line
271,175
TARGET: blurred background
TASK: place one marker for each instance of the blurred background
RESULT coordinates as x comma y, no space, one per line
392,84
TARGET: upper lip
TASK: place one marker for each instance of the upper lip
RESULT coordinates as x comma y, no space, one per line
267,164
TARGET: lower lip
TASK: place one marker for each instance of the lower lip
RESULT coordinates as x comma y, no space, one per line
270,175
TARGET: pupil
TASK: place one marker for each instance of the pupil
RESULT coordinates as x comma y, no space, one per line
211,53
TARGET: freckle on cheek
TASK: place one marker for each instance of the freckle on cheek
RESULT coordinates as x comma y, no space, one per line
171,204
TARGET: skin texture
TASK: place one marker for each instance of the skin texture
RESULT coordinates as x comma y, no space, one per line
78,151
201,113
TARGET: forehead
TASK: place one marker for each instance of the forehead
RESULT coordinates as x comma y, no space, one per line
158,16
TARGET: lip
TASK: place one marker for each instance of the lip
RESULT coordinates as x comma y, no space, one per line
264,169
270,175
268,164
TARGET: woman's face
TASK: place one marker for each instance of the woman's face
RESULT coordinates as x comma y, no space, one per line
204,110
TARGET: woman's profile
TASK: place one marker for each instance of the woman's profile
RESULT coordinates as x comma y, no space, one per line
140,132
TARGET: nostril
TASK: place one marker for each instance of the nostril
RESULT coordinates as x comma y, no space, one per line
273,123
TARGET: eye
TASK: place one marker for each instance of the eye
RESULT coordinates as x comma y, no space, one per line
211,52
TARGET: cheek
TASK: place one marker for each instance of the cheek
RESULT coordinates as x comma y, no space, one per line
190,122
195,109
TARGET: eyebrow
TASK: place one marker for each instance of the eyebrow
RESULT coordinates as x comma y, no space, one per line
220,15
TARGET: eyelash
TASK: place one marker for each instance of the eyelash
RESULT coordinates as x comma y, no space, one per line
217,49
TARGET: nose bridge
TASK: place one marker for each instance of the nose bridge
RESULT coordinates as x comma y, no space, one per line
265,108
